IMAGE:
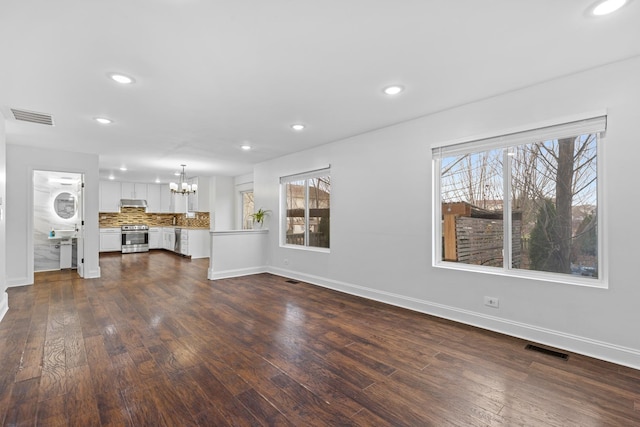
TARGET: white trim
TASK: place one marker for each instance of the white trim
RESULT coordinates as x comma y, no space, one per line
561,278
231,232
4,304
306,248
582,345
211,275
93,274
19,281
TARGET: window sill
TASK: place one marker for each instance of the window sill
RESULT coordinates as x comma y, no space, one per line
567,279
306,248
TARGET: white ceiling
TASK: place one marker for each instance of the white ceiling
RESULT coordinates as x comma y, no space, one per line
212,75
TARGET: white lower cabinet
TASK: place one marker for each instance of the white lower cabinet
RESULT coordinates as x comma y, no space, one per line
184,242
168,238
155,234
110,240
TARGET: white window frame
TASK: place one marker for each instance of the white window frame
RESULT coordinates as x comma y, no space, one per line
283,208
594,122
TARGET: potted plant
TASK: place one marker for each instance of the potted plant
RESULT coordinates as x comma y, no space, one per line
259,216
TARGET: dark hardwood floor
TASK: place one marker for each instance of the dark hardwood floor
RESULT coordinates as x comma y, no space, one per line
154,343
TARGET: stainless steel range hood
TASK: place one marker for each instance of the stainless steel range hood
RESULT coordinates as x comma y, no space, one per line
133,203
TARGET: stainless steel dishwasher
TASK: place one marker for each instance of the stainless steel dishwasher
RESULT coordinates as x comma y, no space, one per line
177,247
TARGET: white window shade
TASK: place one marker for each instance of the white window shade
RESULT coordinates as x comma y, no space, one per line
595,124
306,175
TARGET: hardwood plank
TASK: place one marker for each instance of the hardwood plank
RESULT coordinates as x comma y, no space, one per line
53,379
23,402
230,409
153,342
52,412
81,406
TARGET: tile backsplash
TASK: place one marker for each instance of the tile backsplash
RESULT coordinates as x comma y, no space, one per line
139,216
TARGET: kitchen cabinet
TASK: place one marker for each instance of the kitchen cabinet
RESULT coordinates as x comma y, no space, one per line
110,195
199,202
168,238
110,240
134,190
154,198
166,199
184,242
179,203
194,243
155,235
192,198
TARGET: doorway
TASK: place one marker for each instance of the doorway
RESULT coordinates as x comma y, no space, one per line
58,221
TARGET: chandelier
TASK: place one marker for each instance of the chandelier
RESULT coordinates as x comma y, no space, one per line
183,187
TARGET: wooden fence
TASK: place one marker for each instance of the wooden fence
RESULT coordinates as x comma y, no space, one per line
472,235
480,241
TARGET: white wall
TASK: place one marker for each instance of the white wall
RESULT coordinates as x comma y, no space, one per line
223,203
21,162
381,219
4,299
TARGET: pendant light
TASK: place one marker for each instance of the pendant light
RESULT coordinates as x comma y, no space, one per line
183,187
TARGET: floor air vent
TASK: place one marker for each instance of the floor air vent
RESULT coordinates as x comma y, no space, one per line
293,281
546,351
32,117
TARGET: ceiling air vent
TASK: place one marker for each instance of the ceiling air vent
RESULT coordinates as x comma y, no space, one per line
32,117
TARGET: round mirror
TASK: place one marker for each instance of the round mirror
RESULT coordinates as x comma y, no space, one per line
65,205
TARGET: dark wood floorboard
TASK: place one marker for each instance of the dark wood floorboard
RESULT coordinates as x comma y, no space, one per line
154,343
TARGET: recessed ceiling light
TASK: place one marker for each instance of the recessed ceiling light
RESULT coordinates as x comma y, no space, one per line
121,78
123,168
157,180
177,173
607,6
111,177
246,147
103,120
393,90
297,126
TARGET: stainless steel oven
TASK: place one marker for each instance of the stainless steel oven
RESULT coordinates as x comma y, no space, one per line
135,238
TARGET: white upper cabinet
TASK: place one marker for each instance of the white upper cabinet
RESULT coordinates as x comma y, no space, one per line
131,190
192,198
158,196
110,195
166,199
154,198
199,202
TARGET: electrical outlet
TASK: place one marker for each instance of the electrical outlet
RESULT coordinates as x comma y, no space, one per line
492,302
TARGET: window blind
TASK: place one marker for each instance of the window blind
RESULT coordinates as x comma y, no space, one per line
597,124
305,175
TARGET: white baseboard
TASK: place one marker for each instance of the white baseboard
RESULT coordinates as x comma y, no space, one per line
93,274
582,345
4,304
18,281
214,275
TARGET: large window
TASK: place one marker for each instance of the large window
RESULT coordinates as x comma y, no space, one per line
524,204
306,205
